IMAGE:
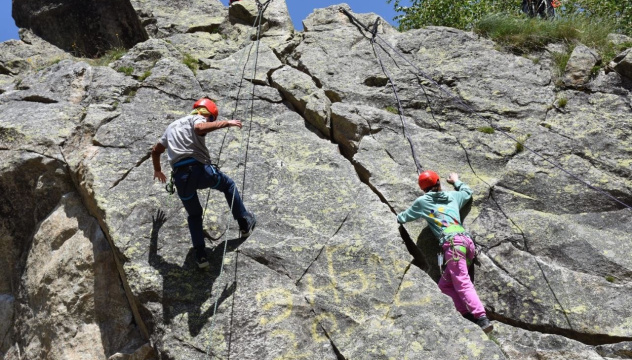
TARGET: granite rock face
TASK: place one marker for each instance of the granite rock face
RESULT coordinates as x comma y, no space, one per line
162,18
580,66
623,63
325,160
84,28
71,286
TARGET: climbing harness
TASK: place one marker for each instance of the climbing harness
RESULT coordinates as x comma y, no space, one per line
458,252
179,166
475,114
448,234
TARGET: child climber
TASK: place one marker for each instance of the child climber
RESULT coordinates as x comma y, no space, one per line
441,210
193,170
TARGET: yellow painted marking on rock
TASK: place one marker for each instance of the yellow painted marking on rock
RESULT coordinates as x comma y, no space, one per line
316,322
277,297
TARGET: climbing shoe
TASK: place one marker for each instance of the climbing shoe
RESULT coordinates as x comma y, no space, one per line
201,258
484,324
251,222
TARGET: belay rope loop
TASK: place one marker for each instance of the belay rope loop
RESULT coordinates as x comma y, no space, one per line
258,21
475,114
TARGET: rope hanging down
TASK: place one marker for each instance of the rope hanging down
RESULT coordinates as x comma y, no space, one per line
400,108
238,65
474,113
258,22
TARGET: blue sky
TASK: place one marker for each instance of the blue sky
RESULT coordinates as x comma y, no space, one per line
299,9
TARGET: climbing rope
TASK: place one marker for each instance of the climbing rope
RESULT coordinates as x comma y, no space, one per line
262,8
474,113
400,109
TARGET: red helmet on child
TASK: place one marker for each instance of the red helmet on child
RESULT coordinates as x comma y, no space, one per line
428,179
209,105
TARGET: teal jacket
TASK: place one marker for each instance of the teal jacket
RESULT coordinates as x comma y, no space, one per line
440,209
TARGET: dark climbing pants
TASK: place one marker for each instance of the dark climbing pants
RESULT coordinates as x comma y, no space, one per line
190,178
542,8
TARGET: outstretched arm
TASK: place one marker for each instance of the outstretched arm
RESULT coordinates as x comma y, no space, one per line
202,128
156,151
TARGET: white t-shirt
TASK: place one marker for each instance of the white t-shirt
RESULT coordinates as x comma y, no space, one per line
182,142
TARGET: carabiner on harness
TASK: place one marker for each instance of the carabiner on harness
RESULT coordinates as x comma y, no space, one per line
171,189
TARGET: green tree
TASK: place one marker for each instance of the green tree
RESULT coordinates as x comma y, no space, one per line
619,11
464,14
460,14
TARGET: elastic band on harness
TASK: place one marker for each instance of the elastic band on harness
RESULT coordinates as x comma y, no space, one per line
450,232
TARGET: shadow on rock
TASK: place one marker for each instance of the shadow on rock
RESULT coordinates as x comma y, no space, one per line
186,289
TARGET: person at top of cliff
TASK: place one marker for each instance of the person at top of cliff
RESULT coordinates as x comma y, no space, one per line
441,210
541,8
192,170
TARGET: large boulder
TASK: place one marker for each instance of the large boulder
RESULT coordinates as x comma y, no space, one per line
620,39
43,263
581,66
480,102
84,28
31,53
304,94
622,63
275,16
72,280
299,275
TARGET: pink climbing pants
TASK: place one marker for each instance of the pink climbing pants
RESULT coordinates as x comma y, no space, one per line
455,280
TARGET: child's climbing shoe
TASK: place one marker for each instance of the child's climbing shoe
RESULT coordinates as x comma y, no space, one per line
485,325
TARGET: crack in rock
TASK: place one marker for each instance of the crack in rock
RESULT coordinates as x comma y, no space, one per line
139,163
339,355
588,339
528,251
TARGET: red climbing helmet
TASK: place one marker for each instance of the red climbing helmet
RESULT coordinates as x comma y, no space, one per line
209,105
428,179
